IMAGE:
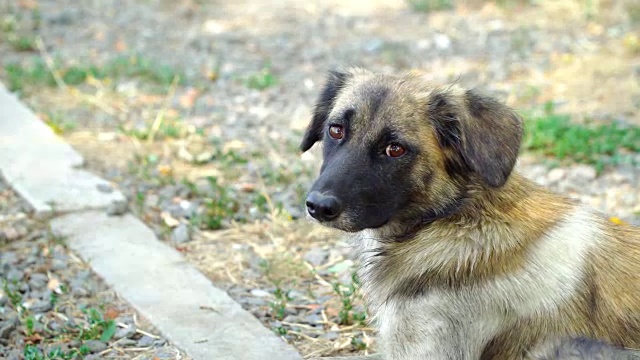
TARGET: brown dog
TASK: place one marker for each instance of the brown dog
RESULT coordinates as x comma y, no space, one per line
460,257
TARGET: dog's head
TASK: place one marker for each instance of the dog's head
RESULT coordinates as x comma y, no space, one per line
396,149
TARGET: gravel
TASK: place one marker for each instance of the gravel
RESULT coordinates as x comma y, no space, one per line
48,296
235,165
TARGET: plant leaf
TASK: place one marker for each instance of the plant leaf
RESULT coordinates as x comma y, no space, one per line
108,331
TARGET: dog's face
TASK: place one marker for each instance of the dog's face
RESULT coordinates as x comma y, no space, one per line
396,149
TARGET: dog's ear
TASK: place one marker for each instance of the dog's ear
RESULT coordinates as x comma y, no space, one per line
334,83
483,132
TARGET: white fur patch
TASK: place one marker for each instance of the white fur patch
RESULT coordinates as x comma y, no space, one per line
447,324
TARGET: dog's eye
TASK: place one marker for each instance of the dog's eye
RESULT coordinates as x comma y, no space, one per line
394,150
336,131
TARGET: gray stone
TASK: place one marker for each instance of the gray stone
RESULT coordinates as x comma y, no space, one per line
126,342
95,345
41,167
117,208
127,332
313,319
330,335
145,341
38,281
168,290
6,327
260,293
181,234
105,188
582,174
15,275
41,306
316,256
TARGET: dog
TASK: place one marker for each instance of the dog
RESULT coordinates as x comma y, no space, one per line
460,257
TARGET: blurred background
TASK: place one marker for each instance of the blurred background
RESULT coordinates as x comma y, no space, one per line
195,109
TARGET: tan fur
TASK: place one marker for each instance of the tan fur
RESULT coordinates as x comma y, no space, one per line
512,271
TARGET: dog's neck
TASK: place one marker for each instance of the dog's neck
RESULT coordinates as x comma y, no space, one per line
489,235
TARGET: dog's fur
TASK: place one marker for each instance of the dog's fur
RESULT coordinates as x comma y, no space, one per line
461,257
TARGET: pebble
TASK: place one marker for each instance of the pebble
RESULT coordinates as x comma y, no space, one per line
556,175
38,280
127,332
331,335
41,306
145,341
442,41
6,327
118,207
181,234
582,174
105,188
127,342
95,346
316,256
260,293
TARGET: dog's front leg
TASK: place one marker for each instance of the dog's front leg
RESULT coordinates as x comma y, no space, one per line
422,329
433,340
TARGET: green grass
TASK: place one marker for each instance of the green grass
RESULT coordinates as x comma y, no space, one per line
58,123
348,294
98,328
32,352
633,11
22,43
19,76
599,145
262,80
168,129
430,5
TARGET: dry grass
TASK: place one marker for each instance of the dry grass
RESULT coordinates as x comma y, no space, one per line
270,254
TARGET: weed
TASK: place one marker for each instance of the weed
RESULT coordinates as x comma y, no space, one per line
430,5
32,352
278,306
37,73
22,43
147,167
348,295
280,330
262,80
98,328
170,128
219,204
599,145
29,325
58,123
53,299
633,11
507,4
14,296
358,344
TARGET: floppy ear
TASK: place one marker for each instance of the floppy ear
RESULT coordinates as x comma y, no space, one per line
483,132
334,83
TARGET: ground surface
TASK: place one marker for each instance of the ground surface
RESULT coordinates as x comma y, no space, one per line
195,109
53,307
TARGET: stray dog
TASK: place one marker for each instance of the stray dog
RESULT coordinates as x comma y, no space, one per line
461,257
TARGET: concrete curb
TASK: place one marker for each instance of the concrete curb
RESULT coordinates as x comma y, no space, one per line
41,167
167,290
153,277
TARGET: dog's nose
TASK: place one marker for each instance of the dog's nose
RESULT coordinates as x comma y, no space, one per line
323,207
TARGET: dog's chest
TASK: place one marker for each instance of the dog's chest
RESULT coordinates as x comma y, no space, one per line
551,275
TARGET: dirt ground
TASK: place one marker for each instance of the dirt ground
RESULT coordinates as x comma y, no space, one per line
200,123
